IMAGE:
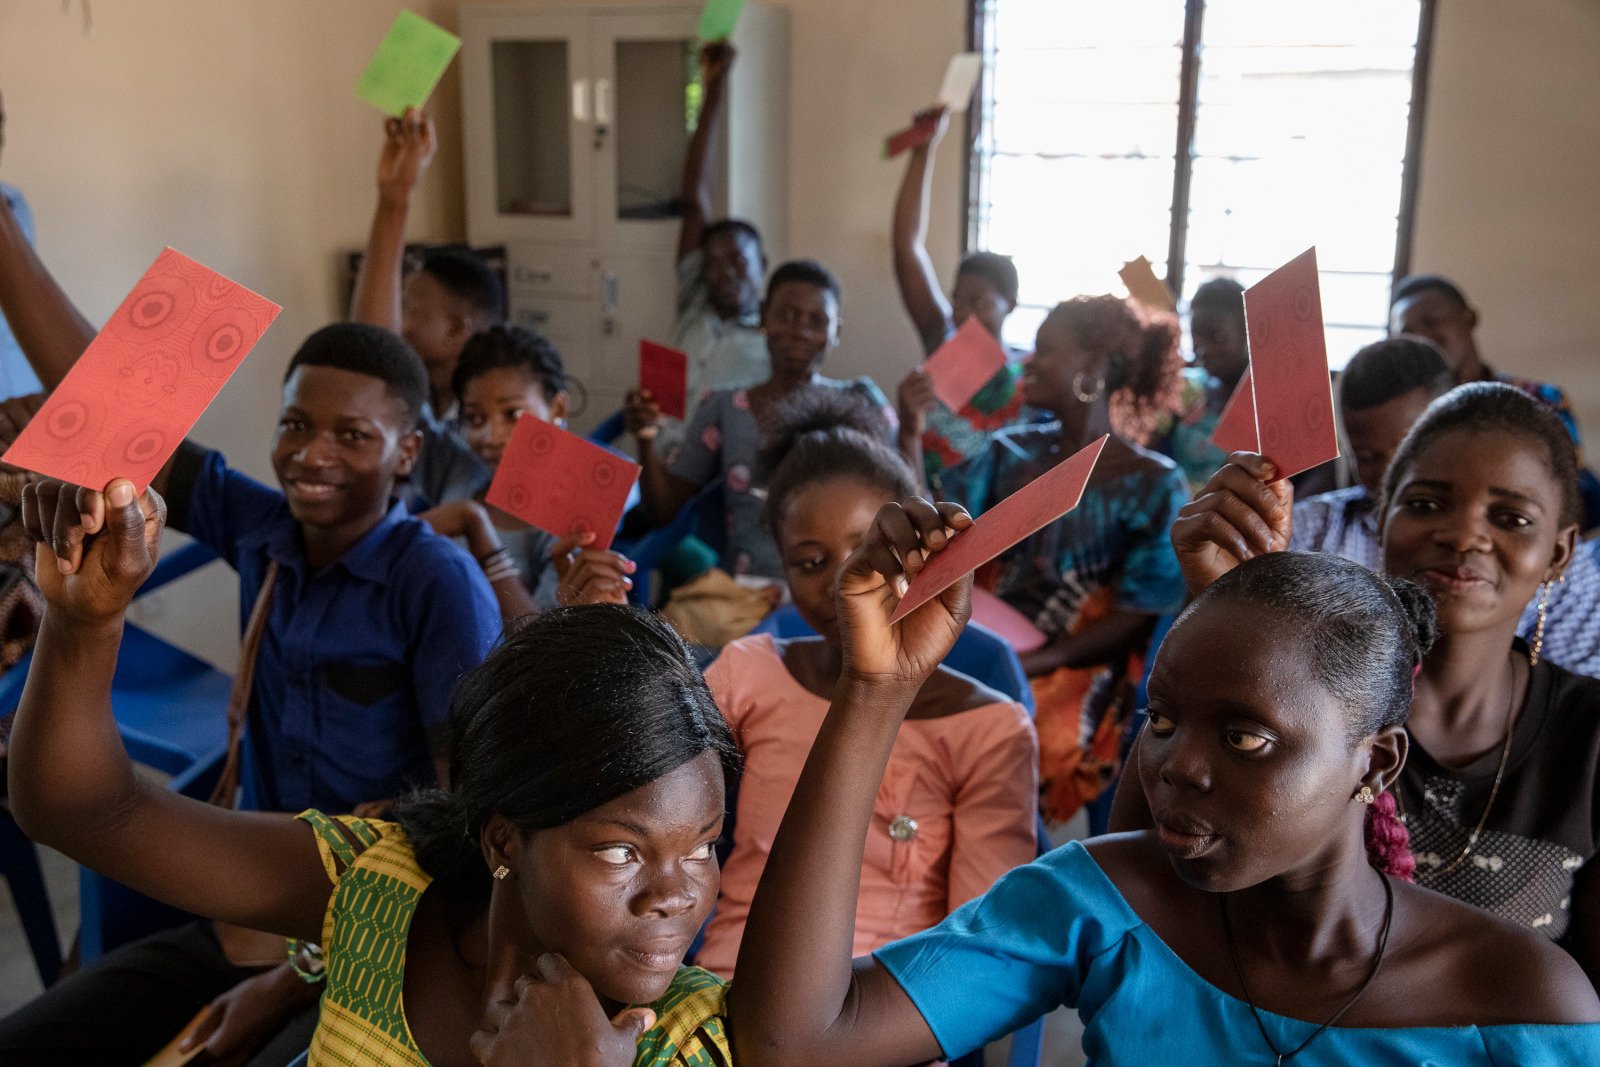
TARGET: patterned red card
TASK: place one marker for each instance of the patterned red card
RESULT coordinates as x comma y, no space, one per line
964,364
561,482
1143,285
1236,426
1289,367
1027,511
142,383
664,374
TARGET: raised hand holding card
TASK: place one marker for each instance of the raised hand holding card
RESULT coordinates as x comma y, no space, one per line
964,364
1289,368
664,374
1144,286
408,64
1027,511
143,382
561,482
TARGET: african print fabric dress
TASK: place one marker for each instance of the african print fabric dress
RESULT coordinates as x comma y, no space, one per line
377,885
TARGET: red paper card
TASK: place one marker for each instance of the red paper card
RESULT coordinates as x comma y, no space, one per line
964,364
907,139
1289,367
1236,426
1012,625
664,374
1027,511
142,383
561,482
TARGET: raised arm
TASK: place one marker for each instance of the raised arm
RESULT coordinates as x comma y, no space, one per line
924,300
716,57
798,999
408,146
48,328
71,784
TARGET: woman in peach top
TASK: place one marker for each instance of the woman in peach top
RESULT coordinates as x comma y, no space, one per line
957,806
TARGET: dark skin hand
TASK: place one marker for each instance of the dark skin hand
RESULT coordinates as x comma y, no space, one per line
247,1016
1315,901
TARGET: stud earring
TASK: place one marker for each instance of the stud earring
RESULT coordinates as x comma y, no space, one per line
1364,795
501,872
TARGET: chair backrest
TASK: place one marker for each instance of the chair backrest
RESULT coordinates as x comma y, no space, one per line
701,517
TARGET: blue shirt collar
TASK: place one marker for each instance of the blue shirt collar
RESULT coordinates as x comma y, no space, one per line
370,558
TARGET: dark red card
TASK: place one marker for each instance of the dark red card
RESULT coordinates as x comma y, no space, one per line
664,374
1289,367
561,482
143,382
1236,426
964,364
1027,511
907,139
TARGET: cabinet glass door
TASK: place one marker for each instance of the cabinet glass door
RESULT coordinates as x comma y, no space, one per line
532,132
647,96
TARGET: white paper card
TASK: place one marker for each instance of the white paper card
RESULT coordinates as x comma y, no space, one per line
960,78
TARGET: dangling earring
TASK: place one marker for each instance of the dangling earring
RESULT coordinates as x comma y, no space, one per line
501,872
1538,629
1364,795
1083,397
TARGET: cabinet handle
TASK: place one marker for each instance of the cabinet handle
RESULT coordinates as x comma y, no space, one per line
580,100
609,286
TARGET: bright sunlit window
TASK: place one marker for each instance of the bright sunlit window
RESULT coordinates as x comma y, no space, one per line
1294,134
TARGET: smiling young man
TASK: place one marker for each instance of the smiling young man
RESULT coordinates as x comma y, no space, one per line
371,620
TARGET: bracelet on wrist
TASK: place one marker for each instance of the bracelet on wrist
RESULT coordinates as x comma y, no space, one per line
305,959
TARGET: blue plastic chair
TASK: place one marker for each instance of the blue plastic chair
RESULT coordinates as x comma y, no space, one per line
987,658
171,710
611,427
701,517
19,863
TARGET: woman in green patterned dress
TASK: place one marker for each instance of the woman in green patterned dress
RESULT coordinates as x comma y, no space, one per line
537,913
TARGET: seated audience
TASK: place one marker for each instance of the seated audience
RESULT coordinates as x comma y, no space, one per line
537,911
1096,580
960,797
1383,390
1255,918
1217,337
504,373
363,621
721,265
1480,507
932,437
1434,307
800,318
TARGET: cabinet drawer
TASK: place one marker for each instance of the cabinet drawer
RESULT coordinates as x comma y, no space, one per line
538,270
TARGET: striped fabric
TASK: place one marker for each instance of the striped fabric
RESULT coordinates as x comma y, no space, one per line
377,884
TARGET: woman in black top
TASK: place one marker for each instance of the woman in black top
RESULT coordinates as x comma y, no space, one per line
1480,506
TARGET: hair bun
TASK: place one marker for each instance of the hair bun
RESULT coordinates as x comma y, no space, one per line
819,411
1420,611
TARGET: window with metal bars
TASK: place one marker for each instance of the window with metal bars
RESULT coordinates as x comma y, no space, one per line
1214,137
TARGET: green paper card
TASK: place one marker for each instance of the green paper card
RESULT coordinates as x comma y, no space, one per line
409,63
719,18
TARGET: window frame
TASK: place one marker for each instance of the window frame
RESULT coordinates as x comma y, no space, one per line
1183,166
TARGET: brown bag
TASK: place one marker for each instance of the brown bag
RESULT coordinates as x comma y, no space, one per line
243,946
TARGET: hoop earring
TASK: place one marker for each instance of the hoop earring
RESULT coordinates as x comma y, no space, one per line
1364,795
1083,397
1538,629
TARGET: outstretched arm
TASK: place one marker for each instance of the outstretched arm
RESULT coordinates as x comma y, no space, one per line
408,146
71,784
913,271
716,57
798,999
50,331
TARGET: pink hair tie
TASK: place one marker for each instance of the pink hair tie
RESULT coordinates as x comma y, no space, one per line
1414,672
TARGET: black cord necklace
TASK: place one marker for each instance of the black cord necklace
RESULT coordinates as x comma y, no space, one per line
1377,962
